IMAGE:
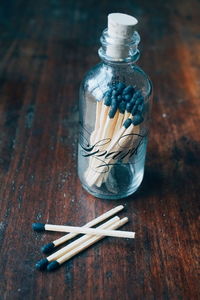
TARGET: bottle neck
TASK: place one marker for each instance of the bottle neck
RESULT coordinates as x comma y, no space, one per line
119,50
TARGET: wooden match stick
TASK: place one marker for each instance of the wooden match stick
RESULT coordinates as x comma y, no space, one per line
106,134
42,264
119,123
101,116
126,130
124,114
135,133
50,246
91,231
97,122
56,263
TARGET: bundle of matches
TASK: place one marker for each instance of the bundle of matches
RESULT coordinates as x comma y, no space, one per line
92,235
118,117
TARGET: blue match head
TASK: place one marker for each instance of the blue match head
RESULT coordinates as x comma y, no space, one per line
42,264
48,248
53,266
119,98
120,86
134,110
122,107
129,90
114,101
108,93
141,108
138,94
129,106
115,93
137,119
112,111
38,226
139,100
107,100
133,99
127,97
127,123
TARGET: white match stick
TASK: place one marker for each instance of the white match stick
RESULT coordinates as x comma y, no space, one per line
106,134
65,238
109,126
91,231
97,122
80,241
119,123
55,264
122,117
94,222
98,133
122,132
135,132
102,120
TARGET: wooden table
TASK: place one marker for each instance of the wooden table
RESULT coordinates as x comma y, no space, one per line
45,48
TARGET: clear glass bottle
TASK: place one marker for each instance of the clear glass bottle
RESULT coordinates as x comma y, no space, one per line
115,105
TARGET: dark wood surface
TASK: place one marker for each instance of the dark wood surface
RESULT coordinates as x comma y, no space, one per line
45,48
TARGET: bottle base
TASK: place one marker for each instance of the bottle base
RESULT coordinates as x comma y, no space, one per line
118,196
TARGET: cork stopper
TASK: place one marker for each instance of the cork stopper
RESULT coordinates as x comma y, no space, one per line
120,28
121,25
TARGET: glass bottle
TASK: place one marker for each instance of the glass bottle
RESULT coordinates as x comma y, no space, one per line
115,105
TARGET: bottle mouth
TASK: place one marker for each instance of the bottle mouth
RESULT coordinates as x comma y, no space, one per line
118,49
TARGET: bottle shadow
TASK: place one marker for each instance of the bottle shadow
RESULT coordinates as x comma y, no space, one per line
151,184
176,171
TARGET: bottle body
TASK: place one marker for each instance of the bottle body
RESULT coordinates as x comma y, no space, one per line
115,105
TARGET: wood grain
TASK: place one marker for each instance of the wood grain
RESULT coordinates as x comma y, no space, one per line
45,49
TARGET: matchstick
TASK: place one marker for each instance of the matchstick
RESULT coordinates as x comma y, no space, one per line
91,231
125,109
102,116
122,107
42,264
124,131
97,122
56,263
50,246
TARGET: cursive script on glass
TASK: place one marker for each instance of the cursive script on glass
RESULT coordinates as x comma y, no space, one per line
120,154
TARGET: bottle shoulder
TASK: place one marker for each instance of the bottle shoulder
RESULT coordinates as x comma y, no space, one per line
100,77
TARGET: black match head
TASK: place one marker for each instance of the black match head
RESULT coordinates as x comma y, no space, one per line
42,264
38,226
53,266
47,248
